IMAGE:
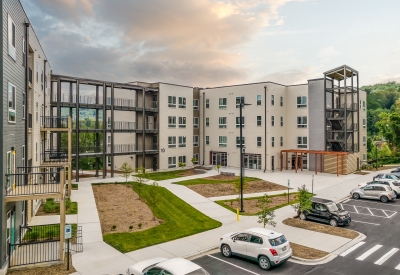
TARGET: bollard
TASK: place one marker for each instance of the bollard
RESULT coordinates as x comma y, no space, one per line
237,214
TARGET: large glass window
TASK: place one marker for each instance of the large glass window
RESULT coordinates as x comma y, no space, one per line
171,162
172,121
259,144
207,103
301,122
182,122
272,121
301,142
258,99
281,120
182,102
239,100
238,121
195,104
272,141
222,103
196,158
207,140
222,122
171,142
258,120
11,38
301,101
195,122
195,141
238,142
182,159
222,141
11,103
364,123
182,141
272,100
172,101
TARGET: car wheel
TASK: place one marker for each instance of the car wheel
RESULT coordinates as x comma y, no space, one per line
384,199
356,196
303,216
226,251
264,263
396,193
333,222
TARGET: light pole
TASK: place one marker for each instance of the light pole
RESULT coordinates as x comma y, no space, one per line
376,156
241,154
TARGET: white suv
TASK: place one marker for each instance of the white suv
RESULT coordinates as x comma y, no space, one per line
267,247
394,184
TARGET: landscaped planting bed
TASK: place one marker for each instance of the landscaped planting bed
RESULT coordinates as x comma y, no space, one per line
225,185
50,207
157,176
322,228
179,219
307,252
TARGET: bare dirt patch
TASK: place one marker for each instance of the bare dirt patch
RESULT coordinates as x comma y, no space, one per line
118,204
189,172
250,206
226,189
322,228
305,252
59,269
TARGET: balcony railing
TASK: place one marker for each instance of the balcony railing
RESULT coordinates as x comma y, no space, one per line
123,148
122,102
124,125
55,156
33,181
87,149
54,122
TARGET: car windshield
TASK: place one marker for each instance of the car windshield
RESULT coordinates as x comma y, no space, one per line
332,207
278,241
392,177
396,183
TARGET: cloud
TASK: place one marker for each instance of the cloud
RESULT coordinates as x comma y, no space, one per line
195,42
328,52
292,77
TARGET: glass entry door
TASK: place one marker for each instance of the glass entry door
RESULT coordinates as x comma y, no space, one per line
220,158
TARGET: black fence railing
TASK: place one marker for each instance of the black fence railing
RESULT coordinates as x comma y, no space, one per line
54,122
33,253
33,180
55,156
88,149
39,233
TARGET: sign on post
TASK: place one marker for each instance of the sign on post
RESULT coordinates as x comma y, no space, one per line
68,231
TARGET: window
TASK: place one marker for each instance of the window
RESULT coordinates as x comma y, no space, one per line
195,141
109,160
196,158
272,121
109,141
182,141
222,141
207,103
239,100
258,99
195,104
195,122
37,72
259,142
171,121
272,100
8,171
258,120
36,152
171,142
11,38
363,103
23,156
222,103
364,141
301,122
364,122
238,142
171,162
281,141
23,51
37,112
41,80
301,101
182,159
238,121
23,105
182,102
281,120
222,122
108,122
364,157
207,121
272,141
11,103
255,239
301,142
360,105
182,122
172,101
207,140
281,101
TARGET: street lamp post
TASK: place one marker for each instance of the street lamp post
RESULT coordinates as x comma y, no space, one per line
241,154
376,156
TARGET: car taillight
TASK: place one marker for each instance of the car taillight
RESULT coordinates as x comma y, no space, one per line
220,239
273,251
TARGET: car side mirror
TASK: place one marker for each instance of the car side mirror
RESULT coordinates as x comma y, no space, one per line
233,239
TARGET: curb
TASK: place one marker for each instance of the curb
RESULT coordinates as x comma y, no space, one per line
200,253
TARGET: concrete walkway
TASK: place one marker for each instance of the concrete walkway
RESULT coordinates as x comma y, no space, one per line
100,258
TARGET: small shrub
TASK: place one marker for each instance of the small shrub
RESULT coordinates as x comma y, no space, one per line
49,206
51,233
140,225
34,236
114,227
131,227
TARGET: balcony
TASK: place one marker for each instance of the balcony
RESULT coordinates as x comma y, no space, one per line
123,148
33,183
53,156
124,125
52,123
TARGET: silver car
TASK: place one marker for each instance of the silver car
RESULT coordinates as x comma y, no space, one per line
380,192
163,266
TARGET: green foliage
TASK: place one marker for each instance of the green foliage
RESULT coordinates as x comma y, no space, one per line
50,206
181,165
140,178
304,198
237,185
193,160
126,170
179,220
217,168
266,215
44,232
154,198
131,227
163,175
140,225
114,227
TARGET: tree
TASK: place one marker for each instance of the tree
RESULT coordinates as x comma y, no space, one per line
126,170
266,216
139,177
304,198
154,197
181,165
193,160
218,167
236,184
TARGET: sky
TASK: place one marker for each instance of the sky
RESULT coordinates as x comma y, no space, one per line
208,43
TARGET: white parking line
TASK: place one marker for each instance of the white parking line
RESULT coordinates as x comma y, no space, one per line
369,252
386,256
366,222
345,201
355,208
233,265
385,214
392,215
369,201
397,267
351,249
372,214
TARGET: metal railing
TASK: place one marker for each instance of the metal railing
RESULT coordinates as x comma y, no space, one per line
124,125
54,122
87,149
123,148
54,156
122,102
39,233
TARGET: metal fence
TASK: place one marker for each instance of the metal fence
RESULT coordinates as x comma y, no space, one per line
55,156
54,122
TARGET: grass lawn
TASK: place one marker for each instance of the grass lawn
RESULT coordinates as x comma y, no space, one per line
180,220
46,232
223,203
51,207
214,181
164,175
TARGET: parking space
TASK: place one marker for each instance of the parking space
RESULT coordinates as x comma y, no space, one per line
216,264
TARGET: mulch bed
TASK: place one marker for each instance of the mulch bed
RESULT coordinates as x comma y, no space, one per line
186,173
322,228
250,206
118,204
305,252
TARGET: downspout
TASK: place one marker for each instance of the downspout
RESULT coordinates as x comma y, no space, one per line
265,127
204,128
26,111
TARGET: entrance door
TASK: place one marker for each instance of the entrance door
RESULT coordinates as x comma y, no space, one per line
246,161
154,163
219,158
272,163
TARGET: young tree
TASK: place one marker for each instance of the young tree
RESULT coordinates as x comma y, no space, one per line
218,167
181,165
236,184
126,170
139,177
304,198
266,215
154,197
193,160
